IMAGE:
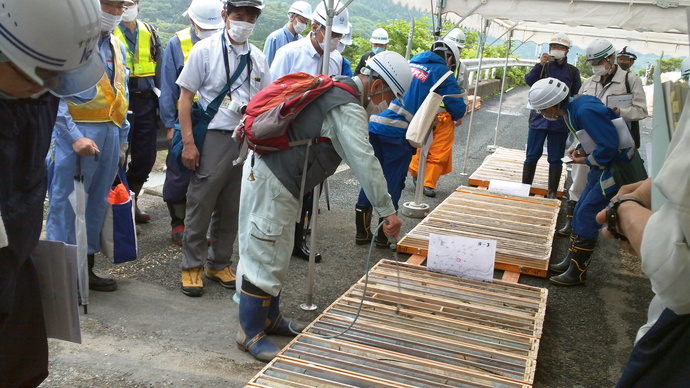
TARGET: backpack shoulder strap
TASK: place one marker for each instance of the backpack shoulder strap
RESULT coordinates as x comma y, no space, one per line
572,69
627,83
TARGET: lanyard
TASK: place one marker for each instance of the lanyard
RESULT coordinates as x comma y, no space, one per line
227,65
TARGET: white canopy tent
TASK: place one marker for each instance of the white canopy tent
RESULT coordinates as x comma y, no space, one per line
646,25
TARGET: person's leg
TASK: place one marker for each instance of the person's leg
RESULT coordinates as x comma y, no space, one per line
578,173
203,191
175,196
535,148
439,160
555,148
142,145
224,218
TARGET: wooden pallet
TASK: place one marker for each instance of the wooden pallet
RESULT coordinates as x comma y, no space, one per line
523,227
417,328
506,164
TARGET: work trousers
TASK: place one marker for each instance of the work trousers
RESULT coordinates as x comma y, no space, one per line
267,218
213,198
175,189
439,160
578,173
143,134
555,146
98,180
592,201
394,154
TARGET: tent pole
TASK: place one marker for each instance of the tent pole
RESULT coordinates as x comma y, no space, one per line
482,41
492,148
408,51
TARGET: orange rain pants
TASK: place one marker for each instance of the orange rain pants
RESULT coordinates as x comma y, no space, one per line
439,161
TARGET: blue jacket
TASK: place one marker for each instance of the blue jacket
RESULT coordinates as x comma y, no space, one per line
427,68
589,113
560,72
276,40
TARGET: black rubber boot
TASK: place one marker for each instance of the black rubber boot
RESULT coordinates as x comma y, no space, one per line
96,282
579,263
567,229
302,229
565,263
528,171
381,237
363,224
554,180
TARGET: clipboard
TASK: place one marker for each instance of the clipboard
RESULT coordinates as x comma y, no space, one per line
625,139
620,101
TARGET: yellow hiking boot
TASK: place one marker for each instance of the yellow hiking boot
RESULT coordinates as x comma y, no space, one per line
192,285
225,277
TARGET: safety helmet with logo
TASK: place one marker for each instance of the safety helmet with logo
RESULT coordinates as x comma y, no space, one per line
301,8
446,47
562,39
53,42
340,21
547,92
599,48
259,4
206,14
456,35
379,36
628,53
393,69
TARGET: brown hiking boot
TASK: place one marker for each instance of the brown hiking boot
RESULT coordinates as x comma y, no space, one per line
225,277
192,285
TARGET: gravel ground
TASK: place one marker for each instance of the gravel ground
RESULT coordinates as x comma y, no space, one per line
148,334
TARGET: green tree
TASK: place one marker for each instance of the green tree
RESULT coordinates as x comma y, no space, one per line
584,67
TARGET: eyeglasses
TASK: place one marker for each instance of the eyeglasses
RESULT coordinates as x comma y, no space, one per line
333,33
598,62
113,5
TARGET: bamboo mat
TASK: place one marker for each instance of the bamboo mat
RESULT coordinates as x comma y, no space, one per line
417,329
506,164
523,227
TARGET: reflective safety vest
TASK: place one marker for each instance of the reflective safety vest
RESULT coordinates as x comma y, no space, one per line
109,104
186,44
142,65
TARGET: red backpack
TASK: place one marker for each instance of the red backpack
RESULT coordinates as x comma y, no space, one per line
270,112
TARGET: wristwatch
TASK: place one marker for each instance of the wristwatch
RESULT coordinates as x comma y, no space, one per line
612,214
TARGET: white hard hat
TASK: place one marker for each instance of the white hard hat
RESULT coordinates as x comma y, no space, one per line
547,92
628,53
54,42
245,3
562,39
449,47
301,8
206,14
347,39
685,66
394,70
456,35
340,21
379,36
599,48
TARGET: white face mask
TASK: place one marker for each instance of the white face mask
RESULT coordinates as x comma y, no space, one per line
240,31
109,22
373,109
558,54
131,13
299,27
203,34
600,70
334,44
341,47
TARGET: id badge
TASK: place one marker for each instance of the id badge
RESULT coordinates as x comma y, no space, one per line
226,103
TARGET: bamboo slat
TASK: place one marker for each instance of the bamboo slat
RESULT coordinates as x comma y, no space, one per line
417,328
522,227
506,164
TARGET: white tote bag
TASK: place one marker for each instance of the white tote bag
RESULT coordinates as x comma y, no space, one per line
422,120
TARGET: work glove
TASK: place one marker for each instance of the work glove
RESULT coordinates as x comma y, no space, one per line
123,153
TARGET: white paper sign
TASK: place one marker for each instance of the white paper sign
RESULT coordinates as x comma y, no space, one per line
465,257
510,188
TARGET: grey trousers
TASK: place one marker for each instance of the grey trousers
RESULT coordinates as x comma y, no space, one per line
213,198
